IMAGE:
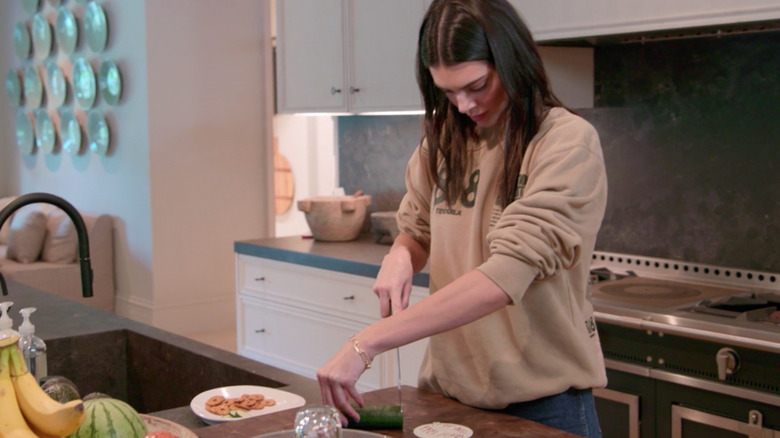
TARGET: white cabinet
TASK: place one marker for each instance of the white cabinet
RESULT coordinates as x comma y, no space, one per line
347,55
561,19
296,317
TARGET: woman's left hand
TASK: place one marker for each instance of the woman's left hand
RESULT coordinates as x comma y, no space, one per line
337,380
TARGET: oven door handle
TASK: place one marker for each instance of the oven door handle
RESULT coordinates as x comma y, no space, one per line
706,335
753,428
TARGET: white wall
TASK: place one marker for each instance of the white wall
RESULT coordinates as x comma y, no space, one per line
191,150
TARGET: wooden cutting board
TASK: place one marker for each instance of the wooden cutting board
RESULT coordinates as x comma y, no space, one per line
284,183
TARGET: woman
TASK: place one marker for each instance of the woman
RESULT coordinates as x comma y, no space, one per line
505,196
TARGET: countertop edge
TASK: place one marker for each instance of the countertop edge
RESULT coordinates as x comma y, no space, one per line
361,257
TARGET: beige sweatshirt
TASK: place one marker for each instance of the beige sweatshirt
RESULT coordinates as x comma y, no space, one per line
538,250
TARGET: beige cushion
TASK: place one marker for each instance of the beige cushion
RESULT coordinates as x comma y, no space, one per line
7,225
25,239
61,242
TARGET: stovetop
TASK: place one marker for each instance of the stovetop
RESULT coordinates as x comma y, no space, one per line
708,302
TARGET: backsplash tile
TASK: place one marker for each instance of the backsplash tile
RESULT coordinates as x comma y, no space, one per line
690,136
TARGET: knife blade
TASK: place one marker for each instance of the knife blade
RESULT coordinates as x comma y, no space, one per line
398,374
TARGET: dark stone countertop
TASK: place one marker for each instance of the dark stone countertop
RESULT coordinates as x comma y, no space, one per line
358,257
58,318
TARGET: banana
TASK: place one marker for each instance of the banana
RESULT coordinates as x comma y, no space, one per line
12,423
9,340
44,414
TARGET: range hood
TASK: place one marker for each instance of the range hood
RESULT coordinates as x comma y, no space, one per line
714,31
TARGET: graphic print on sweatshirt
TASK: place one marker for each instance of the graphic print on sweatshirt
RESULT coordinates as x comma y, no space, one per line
466,199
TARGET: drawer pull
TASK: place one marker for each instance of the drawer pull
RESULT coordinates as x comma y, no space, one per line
349,297
262,330
259,278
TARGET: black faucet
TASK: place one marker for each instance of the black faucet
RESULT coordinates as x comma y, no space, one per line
78,221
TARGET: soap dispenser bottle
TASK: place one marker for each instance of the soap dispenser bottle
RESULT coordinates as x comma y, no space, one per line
7,333
33,348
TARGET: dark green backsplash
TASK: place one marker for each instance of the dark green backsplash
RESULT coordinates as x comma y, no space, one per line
691,137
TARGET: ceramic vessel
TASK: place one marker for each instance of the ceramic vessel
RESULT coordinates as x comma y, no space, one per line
335,218
383,224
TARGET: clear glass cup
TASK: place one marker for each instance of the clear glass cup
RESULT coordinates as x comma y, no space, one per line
318,421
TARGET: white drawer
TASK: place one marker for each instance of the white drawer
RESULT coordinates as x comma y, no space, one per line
312,288
295,339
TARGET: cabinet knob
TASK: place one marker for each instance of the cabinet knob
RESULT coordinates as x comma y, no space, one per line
353,90
728,362
259,278
262,330
349,297
334,90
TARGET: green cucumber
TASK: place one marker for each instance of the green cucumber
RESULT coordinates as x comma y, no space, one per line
378,417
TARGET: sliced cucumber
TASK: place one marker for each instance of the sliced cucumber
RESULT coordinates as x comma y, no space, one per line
378,417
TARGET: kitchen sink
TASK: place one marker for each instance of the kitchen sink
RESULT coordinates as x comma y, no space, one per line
150,374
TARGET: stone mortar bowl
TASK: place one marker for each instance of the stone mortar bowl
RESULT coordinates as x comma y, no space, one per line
383,224
335,218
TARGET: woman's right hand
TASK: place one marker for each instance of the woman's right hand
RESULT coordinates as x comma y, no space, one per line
394,282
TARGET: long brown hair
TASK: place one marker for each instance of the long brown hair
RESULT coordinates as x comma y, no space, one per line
455,31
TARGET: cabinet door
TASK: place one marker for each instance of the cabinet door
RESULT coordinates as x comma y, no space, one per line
297,340
383,46
310,56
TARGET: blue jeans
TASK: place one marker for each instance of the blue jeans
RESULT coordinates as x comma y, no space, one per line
573,411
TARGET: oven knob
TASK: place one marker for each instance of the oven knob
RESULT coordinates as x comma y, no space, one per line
728,362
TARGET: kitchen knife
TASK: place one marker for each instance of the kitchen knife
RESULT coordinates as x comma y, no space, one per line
398,374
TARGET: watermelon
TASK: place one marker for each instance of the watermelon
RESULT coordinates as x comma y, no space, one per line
110,418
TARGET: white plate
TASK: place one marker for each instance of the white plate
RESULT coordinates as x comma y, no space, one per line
41,35
45,135
84,86
70,132
13,87
98,135
22,41
284,400
66,30
157,424
95,27
345,433
442,430
33,88
58,86
110,82
25,136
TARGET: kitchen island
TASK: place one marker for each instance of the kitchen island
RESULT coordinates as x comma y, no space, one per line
163,371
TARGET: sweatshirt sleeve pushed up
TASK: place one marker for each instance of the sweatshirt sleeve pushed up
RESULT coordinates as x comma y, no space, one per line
541,232
414,212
